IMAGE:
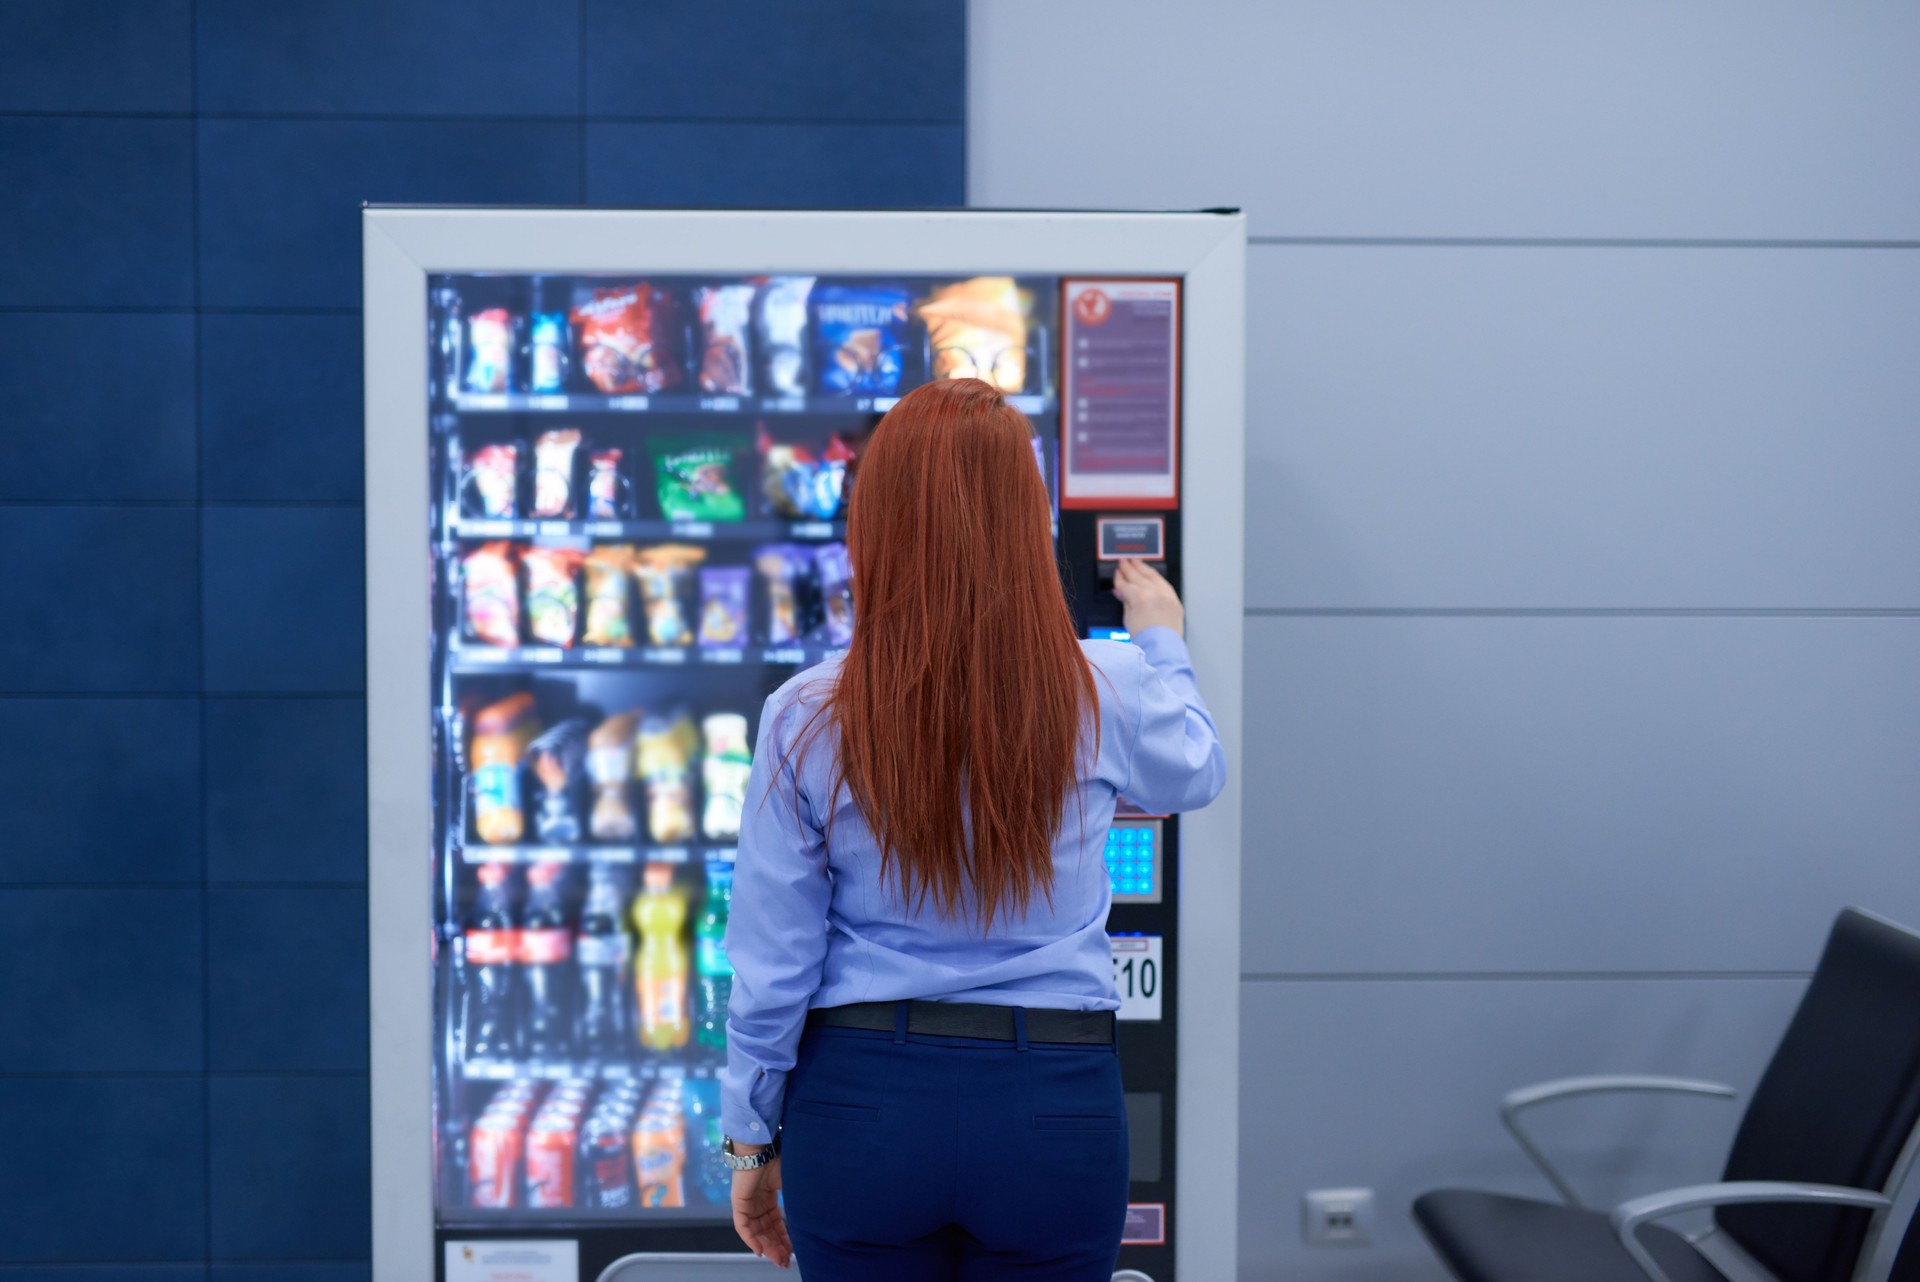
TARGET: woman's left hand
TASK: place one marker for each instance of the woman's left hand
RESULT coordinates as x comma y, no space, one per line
756,1213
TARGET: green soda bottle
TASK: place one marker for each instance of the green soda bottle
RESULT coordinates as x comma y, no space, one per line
713,984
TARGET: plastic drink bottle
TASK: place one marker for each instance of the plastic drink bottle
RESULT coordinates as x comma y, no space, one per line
546,947
660,1150
493,955
604,953
662,974
714,985
704,1137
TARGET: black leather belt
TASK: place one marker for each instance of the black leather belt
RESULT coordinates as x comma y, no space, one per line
967,1019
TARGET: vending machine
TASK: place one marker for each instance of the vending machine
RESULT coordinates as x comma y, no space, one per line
609,455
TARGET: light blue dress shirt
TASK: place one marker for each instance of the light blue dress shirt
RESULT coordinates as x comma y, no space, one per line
813,925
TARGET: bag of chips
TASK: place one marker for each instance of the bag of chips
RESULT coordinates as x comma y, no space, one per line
695,481
662,573
799,486
557,758
609,622
835,573
610,767
784,568
553,456
724,771
609,493
725,312
490,591
976,329
665,764
490,344
553,598
490,482
723,605
629,338
780,324
858,332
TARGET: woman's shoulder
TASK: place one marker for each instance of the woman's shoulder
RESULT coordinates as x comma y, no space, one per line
1117,658
805,691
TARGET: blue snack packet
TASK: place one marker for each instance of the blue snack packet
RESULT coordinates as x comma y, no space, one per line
858,332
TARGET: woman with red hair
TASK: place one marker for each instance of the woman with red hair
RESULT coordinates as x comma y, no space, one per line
922,1023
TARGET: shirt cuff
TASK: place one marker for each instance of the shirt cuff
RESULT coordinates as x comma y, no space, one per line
754,1121
1163,646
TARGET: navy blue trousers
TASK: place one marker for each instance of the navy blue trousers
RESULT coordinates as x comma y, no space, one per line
907,1158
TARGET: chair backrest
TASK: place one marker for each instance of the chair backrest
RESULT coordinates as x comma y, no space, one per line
1836,1104
1906,1265
674,1266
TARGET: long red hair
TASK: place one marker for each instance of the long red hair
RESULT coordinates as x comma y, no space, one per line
962,704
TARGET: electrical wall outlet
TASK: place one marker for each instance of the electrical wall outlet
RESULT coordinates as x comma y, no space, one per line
1338,1217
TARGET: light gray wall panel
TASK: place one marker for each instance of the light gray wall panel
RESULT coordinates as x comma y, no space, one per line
1582,427
1394,1086
1575,794
1498,118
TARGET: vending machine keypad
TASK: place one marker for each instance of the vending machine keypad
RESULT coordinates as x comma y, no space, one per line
1133,860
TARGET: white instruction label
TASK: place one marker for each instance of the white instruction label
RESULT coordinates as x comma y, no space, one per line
1139,973
551,1260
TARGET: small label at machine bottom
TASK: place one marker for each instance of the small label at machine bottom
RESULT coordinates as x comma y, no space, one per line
545,1260
1146,1224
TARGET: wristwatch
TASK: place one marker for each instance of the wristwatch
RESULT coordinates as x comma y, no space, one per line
749,1161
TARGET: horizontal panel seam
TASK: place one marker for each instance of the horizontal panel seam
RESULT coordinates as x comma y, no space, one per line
185,309
1581,612
194,1262
1576,242
355,696
1489,976
565,119
188,1074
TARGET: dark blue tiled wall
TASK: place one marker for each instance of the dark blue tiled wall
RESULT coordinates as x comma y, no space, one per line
183,1087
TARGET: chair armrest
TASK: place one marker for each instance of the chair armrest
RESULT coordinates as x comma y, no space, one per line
1568,1087
1630,1215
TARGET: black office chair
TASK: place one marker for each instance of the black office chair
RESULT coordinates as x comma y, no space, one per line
1817,1166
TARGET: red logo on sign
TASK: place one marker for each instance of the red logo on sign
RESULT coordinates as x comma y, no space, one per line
1092,307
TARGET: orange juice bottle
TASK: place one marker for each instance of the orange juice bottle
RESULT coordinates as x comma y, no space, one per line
660,1153
661,977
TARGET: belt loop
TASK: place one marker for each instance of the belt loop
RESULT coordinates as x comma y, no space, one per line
1020,1028
900,1010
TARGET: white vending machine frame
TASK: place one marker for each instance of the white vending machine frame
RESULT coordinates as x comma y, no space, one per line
403,246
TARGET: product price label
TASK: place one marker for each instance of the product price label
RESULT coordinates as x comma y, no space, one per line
1140,973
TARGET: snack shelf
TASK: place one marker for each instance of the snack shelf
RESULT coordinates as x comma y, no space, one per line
568,1216
674,403
697,852
476,659
504,1070
469,527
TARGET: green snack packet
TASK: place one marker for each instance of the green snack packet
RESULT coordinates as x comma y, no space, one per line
696,481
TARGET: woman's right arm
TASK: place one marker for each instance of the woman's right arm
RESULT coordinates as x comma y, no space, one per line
776,933
1175,761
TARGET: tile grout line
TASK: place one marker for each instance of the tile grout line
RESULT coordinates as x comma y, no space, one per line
200,606
580,94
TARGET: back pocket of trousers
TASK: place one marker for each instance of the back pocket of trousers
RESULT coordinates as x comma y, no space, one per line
1075,1122
842,1112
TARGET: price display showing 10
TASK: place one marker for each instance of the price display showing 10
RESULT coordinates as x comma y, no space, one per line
1139,973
